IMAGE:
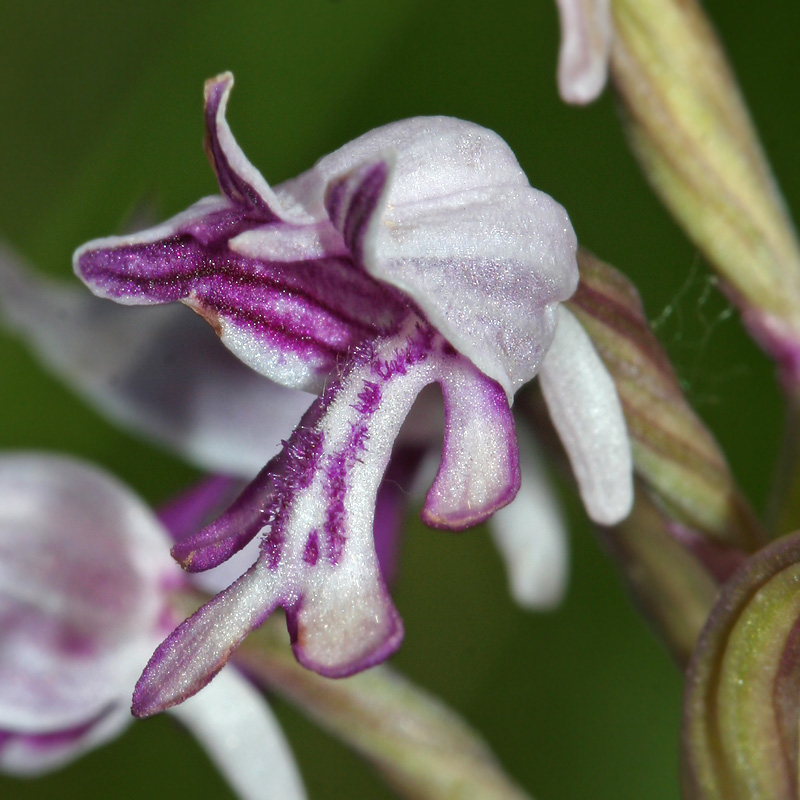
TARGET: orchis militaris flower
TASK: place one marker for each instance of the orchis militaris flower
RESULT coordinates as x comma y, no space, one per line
85,581
586,32
416,254
162,373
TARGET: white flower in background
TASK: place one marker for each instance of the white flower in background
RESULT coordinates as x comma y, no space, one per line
85,584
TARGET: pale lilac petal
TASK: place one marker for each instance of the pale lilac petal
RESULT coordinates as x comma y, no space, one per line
441,209
157,371
240,734
33,754
83,573
531,534
586,32
586,411
479,471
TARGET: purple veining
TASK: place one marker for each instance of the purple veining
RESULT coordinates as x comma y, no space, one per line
311,552
417,254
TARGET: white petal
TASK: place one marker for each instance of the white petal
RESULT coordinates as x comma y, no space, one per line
84,566
586,32
585,409
233,722
159,371
531,533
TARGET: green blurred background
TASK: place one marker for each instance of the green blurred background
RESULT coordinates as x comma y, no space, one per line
100,113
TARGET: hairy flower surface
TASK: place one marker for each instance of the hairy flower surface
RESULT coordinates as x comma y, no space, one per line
416,254
84,598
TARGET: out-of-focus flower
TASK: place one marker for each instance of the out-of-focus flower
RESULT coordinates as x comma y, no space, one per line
586,33
416,254
85,585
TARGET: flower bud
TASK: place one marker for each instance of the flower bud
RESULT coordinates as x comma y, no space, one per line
742,698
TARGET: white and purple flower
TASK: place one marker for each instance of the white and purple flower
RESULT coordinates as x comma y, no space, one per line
85,596
416,254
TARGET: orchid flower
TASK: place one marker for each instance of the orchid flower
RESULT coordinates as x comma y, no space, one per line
416,254
586,33
163,374
85,582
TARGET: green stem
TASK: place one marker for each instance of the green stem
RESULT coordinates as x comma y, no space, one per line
423,749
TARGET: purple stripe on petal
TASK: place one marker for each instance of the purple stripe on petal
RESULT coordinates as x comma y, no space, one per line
353,199
226,158
290,321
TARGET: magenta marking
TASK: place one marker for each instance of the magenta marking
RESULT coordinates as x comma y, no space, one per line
311,552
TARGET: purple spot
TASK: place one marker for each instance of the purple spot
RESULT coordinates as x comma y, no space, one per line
311,553
337,491
336,544
369,398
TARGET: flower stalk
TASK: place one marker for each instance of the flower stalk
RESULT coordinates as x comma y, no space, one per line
423,749
674,585
691,132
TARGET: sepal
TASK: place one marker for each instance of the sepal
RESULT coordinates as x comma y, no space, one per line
675,455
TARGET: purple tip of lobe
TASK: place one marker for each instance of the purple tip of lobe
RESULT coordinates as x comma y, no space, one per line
201,646
232,182
184,514
393,638
232,531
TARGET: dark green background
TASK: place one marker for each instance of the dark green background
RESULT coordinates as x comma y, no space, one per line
100,112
